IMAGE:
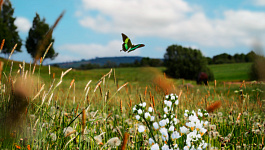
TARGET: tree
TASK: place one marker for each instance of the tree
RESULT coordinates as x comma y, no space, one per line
36,35
8,29
187,63
250,57
223,58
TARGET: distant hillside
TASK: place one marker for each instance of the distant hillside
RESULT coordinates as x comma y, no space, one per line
101,61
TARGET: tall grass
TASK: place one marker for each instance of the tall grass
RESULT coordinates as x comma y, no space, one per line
40,111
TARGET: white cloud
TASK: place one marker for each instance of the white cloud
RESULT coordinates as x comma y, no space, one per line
259,2
88,51
23,24
174,19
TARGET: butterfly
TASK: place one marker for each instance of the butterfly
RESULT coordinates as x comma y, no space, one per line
127,45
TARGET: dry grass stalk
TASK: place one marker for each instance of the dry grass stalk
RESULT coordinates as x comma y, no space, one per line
180,93
1,68
125,140
214,106
41,60
70,133
3,41
100,90
49,70
109,73
46,39
33,70
153,101
108,116
145,91
87,85
64,73
47,50
97,86
122,86
72,82
214,83
12,51
238,117
42,88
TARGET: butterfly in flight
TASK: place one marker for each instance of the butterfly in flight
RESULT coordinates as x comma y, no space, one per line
127,45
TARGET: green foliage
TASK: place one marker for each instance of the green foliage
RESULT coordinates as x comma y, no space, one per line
187,63
36,34
237,58
8,30
223,58
146,61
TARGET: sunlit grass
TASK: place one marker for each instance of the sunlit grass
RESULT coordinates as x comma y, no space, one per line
67,114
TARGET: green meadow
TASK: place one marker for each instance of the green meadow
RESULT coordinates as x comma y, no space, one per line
117,109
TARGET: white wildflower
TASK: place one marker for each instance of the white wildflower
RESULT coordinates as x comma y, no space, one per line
156,126
150,109
140,111
141,128
155,147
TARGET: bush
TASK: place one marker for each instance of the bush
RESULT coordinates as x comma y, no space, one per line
187,63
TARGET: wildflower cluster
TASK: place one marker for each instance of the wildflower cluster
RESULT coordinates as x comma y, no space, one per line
141,114
168,130
194,129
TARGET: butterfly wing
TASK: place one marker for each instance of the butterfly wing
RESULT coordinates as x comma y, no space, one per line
127,44
134,47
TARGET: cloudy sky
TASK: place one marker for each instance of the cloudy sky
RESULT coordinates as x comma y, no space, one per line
92,28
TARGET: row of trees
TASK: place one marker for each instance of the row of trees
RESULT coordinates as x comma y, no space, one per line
237,58
144,62
37,33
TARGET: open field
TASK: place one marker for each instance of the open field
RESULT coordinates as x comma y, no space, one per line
231,72
122,105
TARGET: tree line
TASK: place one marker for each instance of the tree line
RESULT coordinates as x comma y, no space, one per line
225,58
144,62
34,44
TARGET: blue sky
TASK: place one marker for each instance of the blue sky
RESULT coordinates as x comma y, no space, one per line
92,28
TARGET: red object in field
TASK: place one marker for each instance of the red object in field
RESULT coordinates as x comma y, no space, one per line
202,77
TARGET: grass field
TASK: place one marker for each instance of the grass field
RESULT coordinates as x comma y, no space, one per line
231,72
127,108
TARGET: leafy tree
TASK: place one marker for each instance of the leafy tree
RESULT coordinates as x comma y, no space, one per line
223,58
187,63
250,57
209,60
239,57
8,30
146,61
37,34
